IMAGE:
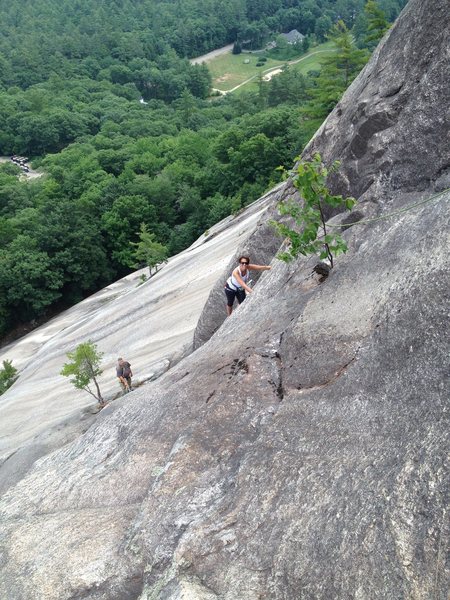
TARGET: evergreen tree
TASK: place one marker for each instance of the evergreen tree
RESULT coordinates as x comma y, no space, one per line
237,48
337,72
377,23
305,44
262,91
148,250
8,376
187,104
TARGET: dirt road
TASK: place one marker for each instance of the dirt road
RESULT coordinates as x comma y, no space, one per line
207,57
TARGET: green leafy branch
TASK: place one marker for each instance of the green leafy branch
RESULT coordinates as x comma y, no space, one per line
312,235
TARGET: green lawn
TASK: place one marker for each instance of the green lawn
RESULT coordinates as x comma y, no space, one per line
311,62
230,70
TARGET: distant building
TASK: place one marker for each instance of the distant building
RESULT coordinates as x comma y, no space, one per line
293,37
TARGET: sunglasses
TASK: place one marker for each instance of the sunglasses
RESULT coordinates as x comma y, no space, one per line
244,263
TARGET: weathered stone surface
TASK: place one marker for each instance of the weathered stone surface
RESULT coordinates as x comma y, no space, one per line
143,322
302,451
261,245
384,130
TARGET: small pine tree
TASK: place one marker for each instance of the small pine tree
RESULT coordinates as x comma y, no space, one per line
337,72
148,250
85,368
187,105
262,91
237,48
377,23
8,376
305,44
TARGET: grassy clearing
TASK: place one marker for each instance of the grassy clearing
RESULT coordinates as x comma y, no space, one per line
311,62
230,70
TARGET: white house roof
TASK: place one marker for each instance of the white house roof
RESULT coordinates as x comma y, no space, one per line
293,36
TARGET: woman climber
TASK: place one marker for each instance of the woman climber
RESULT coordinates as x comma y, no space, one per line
237,284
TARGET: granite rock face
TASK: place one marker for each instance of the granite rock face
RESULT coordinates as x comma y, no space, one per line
261,246
384,130
150,323
300,452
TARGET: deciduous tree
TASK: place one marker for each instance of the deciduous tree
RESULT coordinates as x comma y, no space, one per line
84,368
312,235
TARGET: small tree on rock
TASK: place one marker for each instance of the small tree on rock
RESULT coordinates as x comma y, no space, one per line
148,250
85,368
312,235
8,376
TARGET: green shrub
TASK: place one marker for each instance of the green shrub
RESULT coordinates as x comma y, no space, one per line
8,376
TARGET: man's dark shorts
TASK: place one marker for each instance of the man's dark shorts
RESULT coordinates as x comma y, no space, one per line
232,294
